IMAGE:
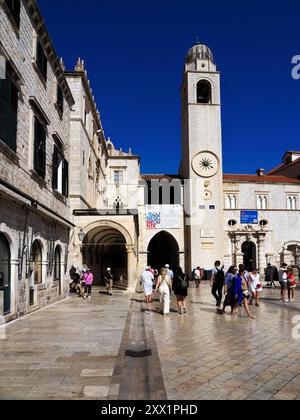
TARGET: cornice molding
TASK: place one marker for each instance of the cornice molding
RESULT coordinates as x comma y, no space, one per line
45,39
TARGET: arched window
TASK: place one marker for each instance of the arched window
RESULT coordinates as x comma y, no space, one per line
5,273
262,202
231,202
57,265
36,263
160,195
292,202
172,195
204,92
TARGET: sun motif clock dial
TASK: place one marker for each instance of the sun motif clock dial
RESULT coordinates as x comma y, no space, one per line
206,164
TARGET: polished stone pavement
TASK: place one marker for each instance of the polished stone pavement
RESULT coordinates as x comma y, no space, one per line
205,355
120,348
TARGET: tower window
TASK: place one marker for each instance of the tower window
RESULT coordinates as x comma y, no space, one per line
204,92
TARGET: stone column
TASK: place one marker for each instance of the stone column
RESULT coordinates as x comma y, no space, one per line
238,248
1,305
143,261
182,260
14,278
261,252
131,269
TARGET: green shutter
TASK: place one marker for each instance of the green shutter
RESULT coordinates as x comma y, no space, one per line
65,179
55,168
14,7
60,99
8,112
39,148
41,60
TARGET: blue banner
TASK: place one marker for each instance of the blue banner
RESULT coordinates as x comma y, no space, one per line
249,217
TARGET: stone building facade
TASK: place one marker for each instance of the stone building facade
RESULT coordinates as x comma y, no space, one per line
34,155
68,196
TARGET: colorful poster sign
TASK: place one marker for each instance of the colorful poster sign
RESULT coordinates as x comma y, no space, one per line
163,217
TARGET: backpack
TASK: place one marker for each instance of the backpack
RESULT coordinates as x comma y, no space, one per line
183,282
220,277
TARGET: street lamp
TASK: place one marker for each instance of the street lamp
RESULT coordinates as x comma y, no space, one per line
81,235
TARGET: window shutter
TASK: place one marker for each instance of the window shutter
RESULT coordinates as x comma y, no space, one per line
14,7
55,168
8,112
60,99
65,180
41,60
39,148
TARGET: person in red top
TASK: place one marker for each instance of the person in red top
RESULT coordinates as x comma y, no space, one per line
291,284
88,279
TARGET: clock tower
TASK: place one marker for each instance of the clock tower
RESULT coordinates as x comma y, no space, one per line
201,165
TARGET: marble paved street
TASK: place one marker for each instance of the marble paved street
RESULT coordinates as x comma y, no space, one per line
209,356
66,351
121,348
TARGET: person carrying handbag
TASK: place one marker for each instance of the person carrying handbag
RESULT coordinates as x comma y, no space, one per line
180,288
242,294
164,286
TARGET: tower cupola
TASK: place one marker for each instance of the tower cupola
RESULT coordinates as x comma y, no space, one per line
200,58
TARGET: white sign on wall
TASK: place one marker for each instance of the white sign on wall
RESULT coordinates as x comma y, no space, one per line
163,217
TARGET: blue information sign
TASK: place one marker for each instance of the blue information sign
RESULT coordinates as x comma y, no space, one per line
249,217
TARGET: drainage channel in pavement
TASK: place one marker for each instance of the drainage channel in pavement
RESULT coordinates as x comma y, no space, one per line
138,371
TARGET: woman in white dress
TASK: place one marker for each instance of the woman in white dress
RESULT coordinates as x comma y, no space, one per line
163,286
255,286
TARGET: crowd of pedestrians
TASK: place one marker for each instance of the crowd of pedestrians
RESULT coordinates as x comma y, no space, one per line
237,288
165,282
243,288
81,282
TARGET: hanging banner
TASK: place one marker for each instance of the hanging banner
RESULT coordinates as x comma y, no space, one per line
163,217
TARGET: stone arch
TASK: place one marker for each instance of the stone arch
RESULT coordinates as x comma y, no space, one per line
7,232
113,225
109,244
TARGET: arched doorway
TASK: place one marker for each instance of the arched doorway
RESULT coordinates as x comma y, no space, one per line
5,281
163,249
249,251
294,250
105,247
57,267
36,270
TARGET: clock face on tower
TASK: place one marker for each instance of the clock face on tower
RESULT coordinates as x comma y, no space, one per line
206,164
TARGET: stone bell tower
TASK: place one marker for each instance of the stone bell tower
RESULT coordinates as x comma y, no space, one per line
201,164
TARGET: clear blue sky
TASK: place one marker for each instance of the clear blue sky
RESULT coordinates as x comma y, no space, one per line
135,50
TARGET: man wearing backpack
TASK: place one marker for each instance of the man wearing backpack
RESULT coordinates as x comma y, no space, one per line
217,282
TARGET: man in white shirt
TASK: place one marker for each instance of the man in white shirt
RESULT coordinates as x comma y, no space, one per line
147,282
283,280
